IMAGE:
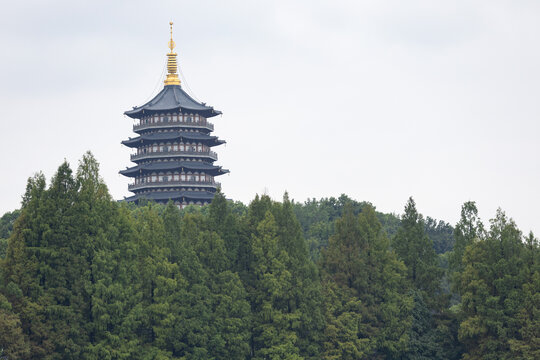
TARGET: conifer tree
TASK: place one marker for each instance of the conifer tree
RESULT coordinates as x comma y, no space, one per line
527,344
422,336
367,307
153,270
466,231
229,329
223,222
491,291
20,270
61,266
273,325
172,221
305,297
415,249
13,343
106,239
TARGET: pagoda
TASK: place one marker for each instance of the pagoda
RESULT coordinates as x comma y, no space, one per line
173,157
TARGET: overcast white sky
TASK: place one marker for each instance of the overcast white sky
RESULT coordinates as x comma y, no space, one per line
380,100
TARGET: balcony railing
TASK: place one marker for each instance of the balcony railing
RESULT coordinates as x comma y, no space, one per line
158,184
171,124
152,155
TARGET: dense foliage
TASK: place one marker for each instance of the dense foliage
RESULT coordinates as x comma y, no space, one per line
85,277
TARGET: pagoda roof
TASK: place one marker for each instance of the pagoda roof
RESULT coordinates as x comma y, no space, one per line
173,195
174,135
172,98
155,166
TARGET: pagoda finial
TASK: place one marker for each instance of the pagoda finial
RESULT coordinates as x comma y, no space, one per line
172,66
171,43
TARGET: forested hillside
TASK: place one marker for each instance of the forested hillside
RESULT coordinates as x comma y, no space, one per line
85,277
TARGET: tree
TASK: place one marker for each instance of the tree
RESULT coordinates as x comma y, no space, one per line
223,222
6,223
466,231
422,343
415,249
229,329
6,227
367,305
273,324
13,343
20,280
441,234
305,297
527,344
491,289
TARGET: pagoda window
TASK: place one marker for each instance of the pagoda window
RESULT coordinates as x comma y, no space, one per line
154,148
183,177
154,178
175,147
166,119
189,118
176,177
203,178
196,118
196,177
181,147
165,178
199,148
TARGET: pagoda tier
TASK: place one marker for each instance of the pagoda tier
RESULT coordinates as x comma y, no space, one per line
173,121
168,166
170,136
172,98
181,198
173,157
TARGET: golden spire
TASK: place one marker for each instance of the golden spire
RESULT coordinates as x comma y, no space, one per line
172,66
